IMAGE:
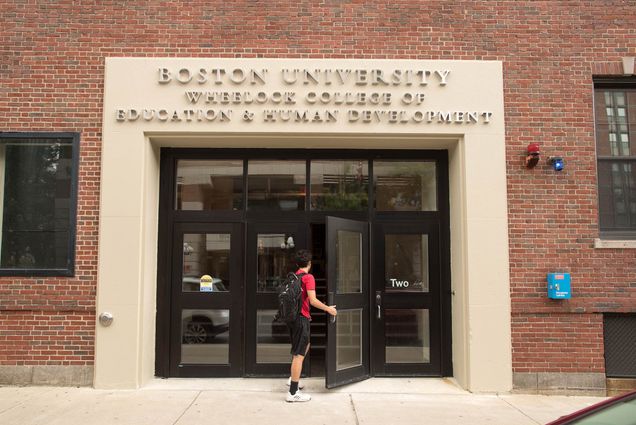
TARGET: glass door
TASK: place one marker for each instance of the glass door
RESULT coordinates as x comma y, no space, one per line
406,319
206,289
348,288
270,256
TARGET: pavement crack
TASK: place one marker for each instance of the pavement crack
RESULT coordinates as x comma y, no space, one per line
353,406
518,410
187,408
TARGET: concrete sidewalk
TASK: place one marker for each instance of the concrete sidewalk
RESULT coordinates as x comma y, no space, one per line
261,401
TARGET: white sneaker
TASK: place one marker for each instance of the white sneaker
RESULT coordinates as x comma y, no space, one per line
299,396
300,386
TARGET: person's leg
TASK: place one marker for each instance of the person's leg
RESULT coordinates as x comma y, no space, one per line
297,365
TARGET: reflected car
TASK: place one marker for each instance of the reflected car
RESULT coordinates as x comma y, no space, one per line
193,284
620,410
201,326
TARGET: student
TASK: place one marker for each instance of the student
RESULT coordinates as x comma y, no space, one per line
299,330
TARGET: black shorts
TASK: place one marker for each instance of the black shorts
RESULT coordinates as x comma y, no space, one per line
299,335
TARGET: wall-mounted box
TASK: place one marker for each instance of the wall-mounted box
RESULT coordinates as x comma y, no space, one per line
559,286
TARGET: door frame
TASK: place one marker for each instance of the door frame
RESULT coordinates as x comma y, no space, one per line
431,300
232,300
168,216
334,377
253,300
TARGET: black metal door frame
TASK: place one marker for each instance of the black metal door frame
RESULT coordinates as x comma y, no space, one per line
407,300
169,217
255,300
205,301
347,301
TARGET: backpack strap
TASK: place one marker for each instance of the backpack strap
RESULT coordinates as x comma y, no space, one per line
300,277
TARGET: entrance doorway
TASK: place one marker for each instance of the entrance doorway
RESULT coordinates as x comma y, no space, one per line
377,225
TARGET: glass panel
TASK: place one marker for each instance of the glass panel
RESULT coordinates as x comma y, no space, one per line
348,339
405,186
339,185
35,191
407,336
613,126
205,336
209,185
617,195
272,338
406,262
348,262
276,185
274,260
206,254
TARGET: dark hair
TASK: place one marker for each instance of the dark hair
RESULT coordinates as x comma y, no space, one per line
302,258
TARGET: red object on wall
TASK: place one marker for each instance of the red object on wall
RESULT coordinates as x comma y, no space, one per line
533,155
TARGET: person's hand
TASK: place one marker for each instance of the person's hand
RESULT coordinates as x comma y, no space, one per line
332,310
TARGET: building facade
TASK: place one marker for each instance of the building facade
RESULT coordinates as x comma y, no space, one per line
160,163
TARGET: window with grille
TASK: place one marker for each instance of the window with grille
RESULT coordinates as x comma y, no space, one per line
620,345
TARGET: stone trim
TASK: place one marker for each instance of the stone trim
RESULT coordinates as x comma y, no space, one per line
553,383
618,386
61,376
614,244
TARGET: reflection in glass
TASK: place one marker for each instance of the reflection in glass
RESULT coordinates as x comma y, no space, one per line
617,184
407,336
206,254
339,185
274,260
272,338
404,186
348,339
406,262
205,336
276,185
209,185
35,203
348,262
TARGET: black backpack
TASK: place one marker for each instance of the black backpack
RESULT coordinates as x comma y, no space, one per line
289,298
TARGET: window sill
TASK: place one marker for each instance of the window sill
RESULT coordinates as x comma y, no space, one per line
613,244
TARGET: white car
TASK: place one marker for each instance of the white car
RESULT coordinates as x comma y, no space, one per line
200,326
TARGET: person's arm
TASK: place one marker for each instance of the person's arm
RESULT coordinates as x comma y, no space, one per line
331,309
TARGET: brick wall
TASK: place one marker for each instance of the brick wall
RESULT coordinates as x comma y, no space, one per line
51,79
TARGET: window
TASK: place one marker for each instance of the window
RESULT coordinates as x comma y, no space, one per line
209,185
276,185
615,108
619,334
38,187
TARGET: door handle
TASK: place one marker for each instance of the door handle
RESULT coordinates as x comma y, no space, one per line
378,303
330,301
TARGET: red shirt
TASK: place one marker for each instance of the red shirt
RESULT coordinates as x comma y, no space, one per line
308,284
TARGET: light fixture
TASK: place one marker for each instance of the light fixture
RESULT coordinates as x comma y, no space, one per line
557,163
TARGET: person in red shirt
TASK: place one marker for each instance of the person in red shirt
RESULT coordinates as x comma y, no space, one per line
299,330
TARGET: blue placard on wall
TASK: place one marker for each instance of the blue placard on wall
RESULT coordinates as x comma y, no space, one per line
559,286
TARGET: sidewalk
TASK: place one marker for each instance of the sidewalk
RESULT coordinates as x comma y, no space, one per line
248,401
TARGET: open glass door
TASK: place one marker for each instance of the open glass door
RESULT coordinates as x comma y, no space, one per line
347,354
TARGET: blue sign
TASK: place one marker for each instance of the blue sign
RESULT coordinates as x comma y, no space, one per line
559,286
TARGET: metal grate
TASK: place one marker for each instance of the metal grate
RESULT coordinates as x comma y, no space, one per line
620,345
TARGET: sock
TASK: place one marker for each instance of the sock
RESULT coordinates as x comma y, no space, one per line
293,387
